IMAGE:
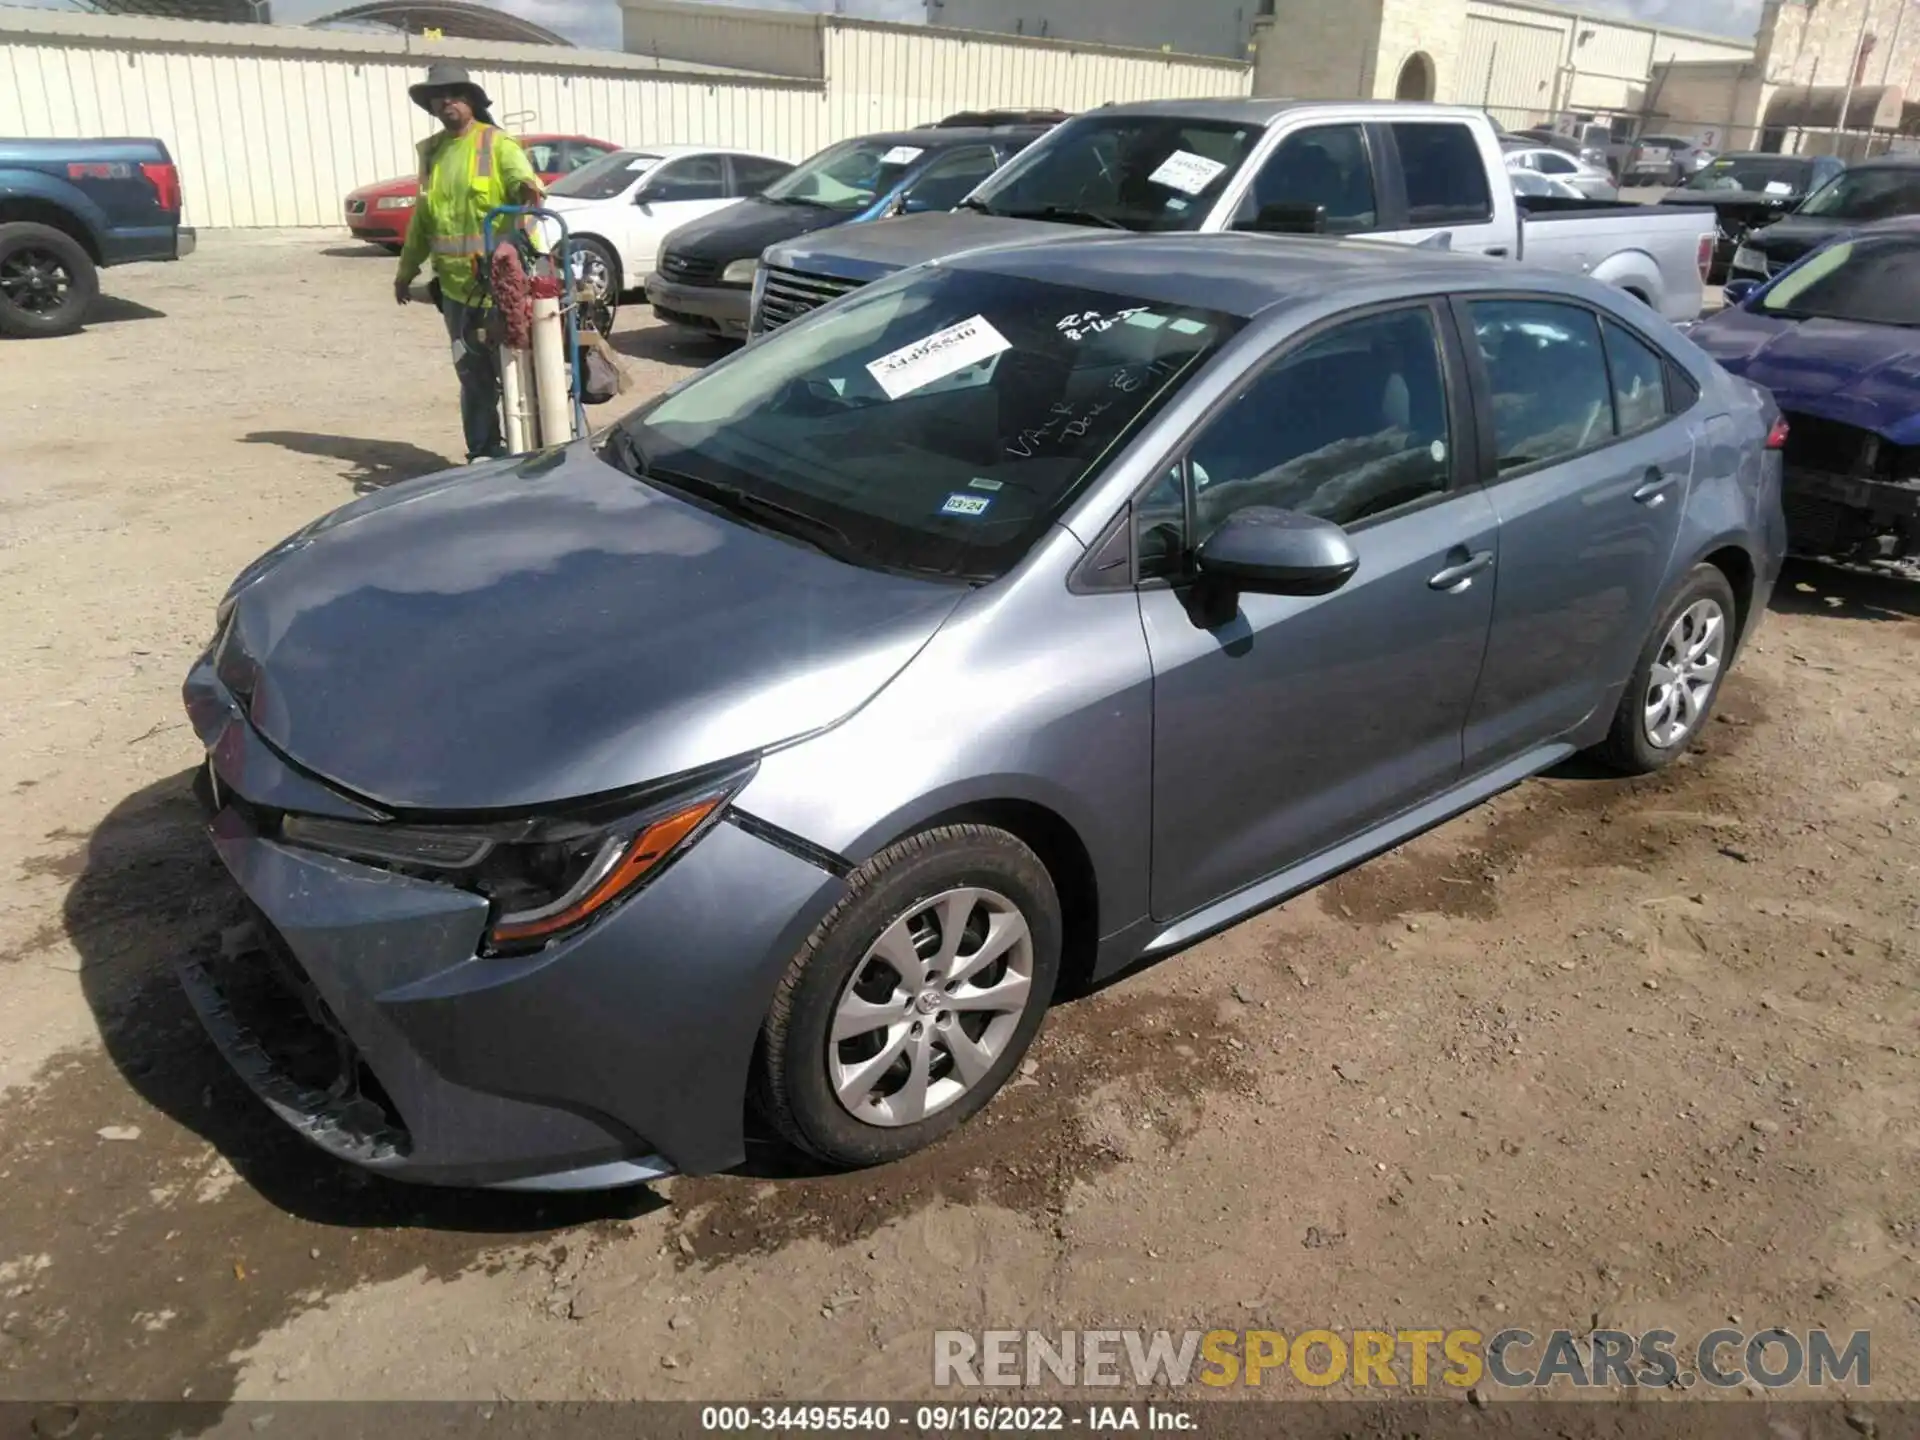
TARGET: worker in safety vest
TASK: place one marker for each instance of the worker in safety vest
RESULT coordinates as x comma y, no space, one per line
469,168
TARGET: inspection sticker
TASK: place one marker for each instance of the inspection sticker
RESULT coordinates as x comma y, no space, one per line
980,482
1184,170
901,155
958,504
943,353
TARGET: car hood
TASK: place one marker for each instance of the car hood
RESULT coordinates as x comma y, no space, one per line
516,633
867,252
404,185
741,232
1788,239
1864,375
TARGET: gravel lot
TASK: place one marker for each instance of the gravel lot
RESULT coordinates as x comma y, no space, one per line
1640,1053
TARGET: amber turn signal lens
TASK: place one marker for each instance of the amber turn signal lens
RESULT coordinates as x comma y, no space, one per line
648,849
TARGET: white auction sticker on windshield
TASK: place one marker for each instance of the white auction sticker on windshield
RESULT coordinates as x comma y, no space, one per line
943,353
901,155
1779,187
1184,170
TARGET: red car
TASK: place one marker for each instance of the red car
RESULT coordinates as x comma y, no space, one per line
380,213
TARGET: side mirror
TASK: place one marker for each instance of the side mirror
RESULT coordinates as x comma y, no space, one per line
1738,292
1288,220
1278,552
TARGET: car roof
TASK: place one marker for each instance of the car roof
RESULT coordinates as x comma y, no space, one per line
1239,109
673,152
1242,274
947,137
1888,162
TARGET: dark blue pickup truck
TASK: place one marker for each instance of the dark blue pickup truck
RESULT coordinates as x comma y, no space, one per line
70,207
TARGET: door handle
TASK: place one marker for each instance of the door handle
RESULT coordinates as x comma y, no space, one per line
1459,576
1653,490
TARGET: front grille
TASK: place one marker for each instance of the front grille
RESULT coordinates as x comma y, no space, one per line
1816,526
689,269
356,207
275,1029
789,294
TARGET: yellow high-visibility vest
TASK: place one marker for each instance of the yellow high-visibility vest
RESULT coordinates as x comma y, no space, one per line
461,179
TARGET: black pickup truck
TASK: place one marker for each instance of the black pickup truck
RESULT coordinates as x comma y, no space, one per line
69,208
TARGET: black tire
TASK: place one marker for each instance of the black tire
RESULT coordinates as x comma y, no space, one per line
47,281
795,1089
599,258
1629,748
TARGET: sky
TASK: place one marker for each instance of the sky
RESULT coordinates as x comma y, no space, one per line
596,23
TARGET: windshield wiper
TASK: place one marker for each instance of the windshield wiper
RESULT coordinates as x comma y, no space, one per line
1065,215
980,206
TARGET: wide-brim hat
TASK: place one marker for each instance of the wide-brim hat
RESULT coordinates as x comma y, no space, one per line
443,76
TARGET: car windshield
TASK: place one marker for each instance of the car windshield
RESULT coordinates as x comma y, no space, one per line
606,177
1872,281
1761,174
1137,172
936,423
849,176
1867,194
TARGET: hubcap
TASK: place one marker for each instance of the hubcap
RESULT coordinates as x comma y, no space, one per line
1684,674
35,280
931,1007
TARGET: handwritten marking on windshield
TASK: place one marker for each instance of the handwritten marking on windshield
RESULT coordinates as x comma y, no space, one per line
1065,424
1079,326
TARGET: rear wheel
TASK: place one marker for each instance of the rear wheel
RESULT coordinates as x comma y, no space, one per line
913,1002
47,281
1677,678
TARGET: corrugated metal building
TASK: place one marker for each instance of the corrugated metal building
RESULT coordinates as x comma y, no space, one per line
273,125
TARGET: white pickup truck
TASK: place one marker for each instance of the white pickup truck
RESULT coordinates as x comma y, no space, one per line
1411,173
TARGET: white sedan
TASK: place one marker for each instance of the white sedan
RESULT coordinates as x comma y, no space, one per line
621,206
1591,181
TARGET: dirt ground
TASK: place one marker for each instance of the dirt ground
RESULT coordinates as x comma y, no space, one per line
1640,1054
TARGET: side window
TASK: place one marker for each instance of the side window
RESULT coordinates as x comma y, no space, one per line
544,156
697,177
1350,425
1548,375
1446,178
1683,393
1552,163
1327,166
1639,380
752,173
951,178
581,152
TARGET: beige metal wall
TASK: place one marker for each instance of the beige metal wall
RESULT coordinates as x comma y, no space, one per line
273,125
1509,66
886,76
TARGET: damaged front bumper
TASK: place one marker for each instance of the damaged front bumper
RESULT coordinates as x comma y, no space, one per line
1850,517
368,1019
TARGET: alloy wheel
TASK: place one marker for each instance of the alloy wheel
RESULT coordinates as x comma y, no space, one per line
931,1007
37,281
1684,674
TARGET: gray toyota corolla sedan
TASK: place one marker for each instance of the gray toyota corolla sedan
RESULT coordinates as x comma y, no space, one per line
998,626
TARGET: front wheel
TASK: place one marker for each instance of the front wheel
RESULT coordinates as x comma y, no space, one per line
597,282
1677,678
915,999
47,281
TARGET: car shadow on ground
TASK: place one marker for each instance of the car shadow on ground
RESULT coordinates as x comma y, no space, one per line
359,252
1809,587
670,345
371,464
147,890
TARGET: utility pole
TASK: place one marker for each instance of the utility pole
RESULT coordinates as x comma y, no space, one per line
1853,67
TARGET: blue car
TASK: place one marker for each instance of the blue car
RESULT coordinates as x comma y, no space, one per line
1836,338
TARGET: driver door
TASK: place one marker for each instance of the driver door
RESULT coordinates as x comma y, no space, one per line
1296,722
675,193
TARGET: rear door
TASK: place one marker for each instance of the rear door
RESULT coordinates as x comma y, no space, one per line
1588,469
682,189
1437,180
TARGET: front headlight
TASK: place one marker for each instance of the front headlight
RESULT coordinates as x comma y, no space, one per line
546,877
740,272
394,202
